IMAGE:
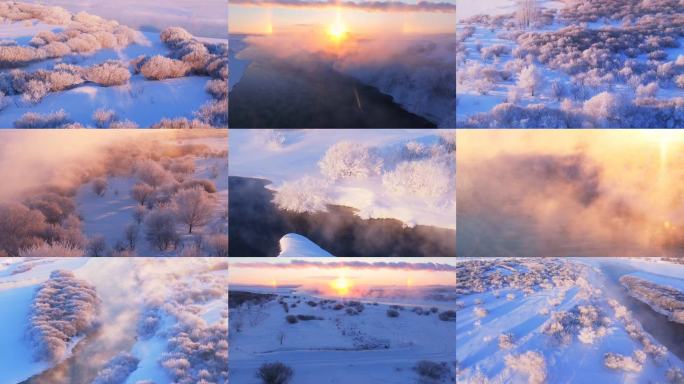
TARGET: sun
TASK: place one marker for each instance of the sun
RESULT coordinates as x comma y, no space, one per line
337,30
341,285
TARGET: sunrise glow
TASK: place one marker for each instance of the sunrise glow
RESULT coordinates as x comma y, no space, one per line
338,30
341,285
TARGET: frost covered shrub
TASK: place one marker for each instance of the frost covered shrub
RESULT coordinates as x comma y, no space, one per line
63,307
175,35
151,173
108,74
56,249
506,341
149,322
307,194
214,113
274,373
679,80
207,185
123,124
349,160
12,56
35,91
160,68
675,376
100,186
181,123
430,179
62,79
83,43
58,119
663,299
480,312
193,207
531,364
648,90
183,166
217,88
160,229
291,319
103,117
117,370
53,206
621,362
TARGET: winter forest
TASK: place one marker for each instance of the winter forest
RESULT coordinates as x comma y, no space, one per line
570,64
75,69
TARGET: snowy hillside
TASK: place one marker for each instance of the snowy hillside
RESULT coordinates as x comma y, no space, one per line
553,64
563,320
333,339
62,69
146,193
146,325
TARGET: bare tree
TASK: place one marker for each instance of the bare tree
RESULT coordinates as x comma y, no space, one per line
193,208
131,235
100,186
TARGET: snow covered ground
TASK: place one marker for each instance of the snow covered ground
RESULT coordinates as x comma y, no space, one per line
145,314
541,320
45,84
548,69
334,339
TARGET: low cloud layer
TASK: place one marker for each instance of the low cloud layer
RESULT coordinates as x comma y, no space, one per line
365,265
369,6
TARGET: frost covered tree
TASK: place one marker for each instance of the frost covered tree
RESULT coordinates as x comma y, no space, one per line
307,194
57,119
531,363
526,13
349,160
160,229
35,91
141,192
131,235
193,208
530,79
429,179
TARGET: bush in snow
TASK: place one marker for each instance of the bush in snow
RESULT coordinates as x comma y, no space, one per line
56,249
108,74
97,247
123,124
63,307
214,113
141,192
531,364
392,313
429,179
349,160
104,117
65,77
307,194
149,322
274,373
207,185
117,370
291,319
448,315
160,229
183,166
675,375
53,206
506,341
621,362
193,208
160,68
480,312
35,91
648,90
437,372
680,81
175,35
180,123
12,56
57,119
218,88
